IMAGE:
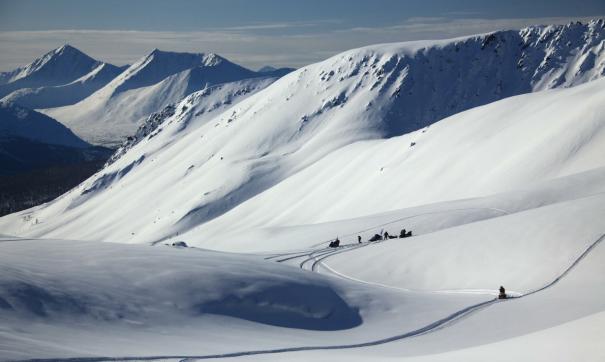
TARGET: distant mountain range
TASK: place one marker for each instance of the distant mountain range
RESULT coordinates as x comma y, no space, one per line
60,77
161,78
103,103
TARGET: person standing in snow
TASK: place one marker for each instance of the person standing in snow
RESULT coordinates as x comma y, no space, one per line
502,294
386,235
359,239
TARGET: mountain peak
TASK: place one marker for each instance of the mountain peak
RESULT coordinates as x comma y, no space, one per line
207,59
58,66
211,59
65,47
66,50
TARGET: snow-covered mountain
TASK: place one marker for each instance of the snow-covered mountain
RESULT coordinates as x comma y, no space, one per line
317,144
18,121
65,94
31,140
161,78
57,67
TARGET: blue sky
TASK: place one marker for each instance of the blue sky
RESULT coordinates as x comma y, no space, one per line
255,33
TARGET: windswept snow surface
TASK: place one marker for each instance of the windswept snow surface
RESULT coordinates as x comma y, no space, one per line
161,78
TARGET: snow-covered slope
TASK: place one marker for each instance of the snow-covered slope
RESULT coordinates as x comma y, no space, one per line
115,111
31,140
192,112
183,291
301,150
57,67
18,121
65,94
250,167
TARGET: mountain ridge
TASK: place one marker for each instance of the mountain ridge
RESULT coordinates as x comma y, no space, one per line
59,66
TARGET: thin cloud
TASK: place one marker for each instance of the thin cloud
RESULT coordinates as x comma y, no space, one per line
280,25
253,45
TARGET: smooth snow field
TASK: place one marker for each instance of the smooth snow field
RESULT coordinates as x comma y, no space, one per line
207,235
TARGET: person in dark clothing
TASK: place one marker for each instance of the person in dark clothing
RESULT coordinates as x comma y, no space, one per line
408,234
402,233
359,239
502,294
386,235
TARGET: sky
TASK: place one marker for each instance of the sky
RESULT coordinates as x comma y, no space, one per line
255,33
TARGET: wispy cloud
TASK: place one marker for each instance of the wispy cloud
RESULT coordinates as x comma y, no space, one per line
253,45
281,25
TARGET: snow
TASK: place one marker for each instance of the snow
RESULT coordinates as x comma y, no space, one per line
257,176
161,78
274,176
57,67
311,146
17,121
179,296
65,94
161,301
192,112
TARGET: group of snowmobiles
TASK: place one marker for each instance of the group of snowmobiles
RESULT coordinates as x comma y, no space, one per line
376,237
